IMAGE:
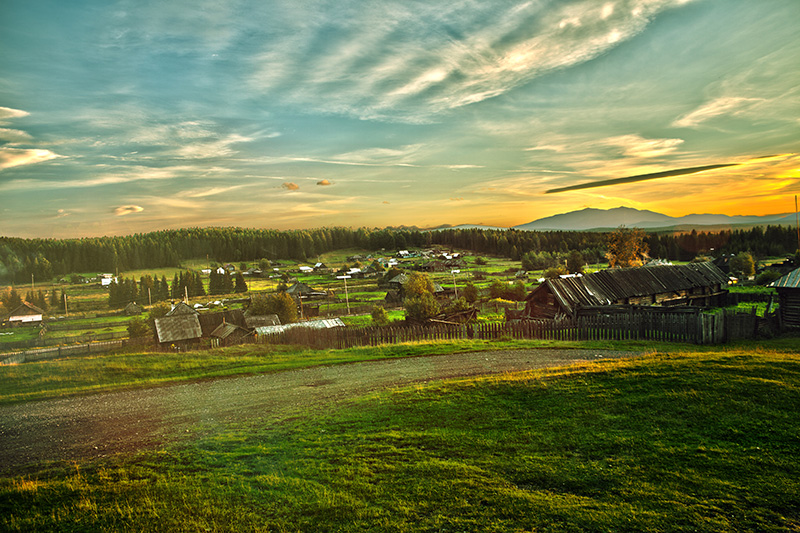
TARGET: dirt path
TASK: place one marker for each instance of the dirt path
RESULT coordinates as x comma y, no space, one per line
95,426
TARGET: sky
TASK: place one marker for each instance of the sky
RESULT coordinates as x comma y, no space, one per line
123,116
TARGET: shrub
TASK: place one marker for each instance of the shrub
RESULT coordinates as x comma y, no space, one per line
379,316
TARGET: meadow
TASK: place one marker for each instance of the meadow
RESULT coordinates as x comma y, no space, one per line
679,439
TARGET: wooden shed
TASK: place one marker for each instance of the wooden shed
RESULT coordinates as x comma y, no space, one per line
178,329
698,284
25,313
788,288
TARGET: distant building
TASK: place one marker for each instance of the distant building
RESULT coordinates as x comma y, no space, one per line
788,288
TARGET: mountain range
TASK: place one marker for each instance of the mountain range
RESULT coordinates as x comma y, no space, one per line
602,219
590,219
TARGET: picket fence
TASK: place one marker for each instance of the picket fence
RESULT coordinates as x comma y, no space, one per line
690,327
56,352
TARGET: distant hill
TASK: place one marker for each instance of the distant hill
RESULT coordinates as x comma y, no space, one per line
598,219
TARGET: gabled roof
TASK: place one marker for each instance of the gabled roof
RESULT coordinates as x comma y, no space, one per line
178,328
25,309
181,308
262,320
789,281
608,286
210,321
225,330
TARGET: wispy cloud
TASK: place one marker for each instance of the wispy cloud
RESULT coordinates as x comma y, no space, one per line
715,108
15,157
7,113
457,54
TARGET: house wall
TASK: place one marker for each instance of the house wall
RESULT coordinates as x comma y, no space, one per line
789,302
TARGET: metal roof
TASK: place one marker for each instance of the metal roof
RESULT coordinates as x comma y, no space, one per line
607,286
789,281
325,323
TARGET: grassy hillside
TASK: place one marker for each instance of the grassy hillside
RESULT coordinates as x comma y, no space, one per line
702,441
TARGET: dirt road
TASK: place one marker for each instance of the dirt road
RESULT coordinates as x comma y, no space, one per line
88,427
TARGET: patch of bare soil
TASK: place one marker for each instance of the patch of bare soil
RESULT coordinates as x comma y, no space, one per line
89,427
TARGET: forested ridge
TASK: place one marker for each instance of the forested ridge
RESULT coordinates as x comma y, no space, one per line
46,258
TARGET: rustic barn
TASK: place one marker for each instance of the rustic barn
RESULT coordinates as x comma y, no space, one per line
178,329
301,290
228,334
211,321
257,321
698,284
133,309
788,288
25,313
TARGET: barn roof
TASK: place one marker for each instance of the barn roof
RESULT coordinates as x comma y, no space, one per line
181,308
178,328
256,321
789,281
607,286
210,321
225,330
25,309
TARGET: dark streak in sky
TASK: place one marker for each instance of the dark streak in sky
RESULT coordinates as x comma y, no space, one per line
641,177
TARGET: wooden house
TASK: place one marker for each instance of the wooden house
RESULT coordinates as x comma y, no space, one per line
228,334
25,313
133,309
211,321
697,284
180,330
301,290
788,288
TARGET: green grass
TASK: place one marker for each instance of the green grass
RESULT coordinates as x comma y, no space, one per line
699,441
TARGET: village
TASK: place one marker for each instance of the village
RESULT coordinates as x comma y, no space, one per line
350,299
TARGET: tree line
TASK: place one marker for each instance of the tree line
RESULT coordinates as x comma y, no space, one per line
20,259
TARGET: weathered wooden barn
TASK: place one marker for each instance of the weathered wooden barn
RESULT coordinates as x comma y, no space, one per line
698,284
25,313
788,288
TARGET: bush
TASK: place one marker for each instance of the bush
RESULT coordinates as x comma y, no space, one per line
137,328
421,308
767,277
379,316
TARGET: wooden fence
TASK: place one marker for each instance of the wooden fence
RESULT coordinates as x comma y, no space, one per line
49,340
55,352
685,325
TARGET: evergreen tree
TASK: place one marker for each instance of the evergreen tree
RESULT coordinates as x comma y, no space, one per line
241,284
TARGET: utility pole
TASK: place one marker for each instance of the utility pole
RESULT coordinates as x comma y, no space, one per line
149,298
346,298
454,272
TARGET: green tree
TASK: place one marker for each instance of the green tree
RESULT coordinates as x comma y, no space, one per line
470,292
137,328
379,316
743,264
575,262
421,308
241,284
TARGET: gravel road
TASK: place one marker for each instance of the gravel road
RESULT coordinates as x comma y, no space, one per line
88,427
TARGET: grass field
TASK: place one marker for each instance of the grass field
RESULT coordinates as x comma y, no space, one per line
672,441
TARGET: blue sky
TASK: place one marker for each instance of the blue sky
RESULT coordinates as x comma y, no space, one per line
128,116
